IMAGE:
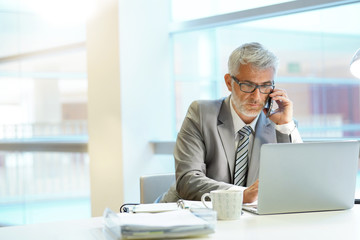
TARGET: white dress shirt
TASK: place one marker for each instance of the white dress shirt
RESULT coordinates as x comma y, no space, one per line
239,124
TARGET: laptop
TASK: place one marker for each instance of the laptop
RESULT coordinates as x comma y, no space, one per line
306,177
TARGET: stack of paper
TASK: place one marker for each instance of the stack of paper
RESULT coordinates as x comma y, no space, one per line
172,224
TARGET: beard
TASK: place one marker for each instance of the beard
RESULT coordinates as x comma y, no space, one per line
241,106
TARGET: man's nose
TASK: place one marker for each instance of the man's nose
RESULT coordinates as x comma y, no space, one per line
256,93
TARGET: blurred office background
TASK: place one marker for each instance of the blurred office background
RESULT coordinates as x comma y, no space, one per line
169,52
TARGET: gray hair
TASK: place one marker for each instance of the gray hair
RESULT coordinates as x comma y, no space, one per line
252,53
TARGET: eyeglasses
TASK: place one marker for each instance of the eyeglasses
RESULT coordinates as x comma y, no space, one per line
251,87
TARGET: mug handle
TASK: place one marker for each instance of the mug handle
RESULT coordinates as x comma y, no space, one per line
203,199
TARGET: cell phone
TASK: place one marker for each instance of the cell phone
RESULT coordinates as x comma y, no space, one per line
269,105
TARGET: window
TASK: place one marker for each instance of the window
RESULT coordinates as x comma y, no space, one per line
314,51
314,47
43,103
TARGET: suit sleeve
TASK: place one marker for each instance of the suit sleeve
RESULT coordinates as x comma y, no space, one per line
189,153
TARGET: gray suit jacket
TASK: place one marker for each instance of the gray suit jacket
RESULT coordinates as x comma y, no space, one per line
205,152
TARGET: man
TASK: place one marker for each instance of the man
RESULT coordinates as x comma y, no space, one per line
218,146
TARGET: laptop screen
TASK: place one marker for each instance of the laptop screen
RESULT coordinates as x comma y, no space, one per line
313,176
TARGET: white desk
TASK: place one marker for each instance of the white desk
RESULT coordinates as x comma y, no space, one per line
321,225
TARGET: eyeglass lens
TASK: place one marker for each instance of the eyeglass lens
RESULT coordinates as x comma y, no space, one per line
249,88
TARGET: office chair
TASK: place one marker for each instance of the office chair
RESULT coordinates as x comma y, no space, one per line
152,186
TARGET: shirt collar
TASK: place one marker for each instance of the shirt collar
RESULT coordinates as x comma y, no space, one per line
238,122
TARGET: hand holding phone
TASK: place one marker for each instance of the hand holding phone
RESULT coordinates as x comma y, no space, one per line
268,105
282,112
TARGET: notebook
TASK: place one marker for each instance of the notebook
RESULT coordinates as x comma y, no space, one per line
305,177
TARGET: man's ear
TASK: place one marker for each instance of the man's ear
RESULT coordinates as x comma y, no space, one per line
228,79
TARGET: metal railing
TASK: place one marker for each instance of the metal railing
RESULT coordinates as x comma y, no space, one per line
44,168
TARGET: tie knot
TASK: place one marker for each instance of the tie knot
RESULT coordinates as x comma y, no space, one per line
245,131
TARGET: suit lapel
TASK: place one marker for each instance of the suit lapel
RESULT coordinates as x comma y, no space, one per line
264,133
226,133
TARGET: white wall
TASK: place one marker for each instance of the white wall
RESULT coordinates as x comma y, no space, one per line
147,91
104,109
130,97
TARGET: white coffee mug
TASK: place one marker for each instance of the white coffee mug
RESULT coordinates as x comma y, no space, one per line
227,203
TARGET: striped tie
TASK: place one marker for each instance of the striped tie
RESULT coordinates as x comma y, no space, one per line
241,163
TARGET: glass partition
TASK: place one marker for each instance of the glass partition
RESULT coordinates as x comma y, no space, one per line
43,186
314,57
315,49
43,103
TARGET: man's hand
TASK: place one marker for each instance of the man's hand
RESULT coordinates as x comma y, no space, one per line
284,113
251,193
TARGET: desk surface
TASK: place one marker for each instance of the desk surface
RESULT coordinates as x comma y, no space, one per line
318,225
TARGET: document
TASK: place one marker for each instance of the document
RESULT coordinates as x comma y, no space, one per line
170,224
155,207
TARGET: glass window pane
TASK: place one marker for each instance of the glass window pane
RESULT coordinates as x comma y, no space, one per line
315,49
28,32
43,98
38,187
314,65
